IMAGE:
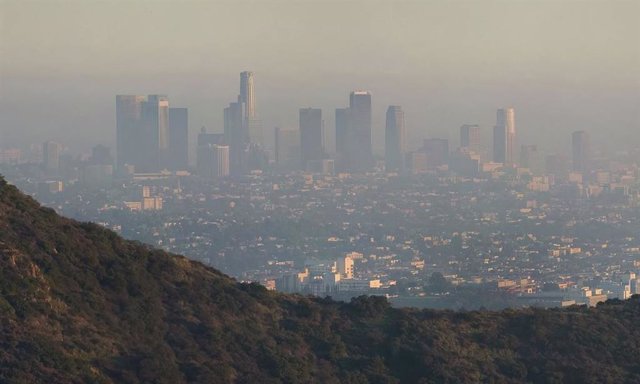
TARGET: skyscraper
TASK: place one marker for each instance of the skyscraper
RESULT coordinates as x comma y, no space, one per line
142,130
212,161
178,156
237,137
581,151
128,128
359,132
394,143
247,94
248,97
154,143
311,136
470,137
504,137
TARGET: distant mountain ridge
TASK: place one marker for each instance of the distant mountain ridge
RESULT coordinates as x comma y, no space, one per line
78,304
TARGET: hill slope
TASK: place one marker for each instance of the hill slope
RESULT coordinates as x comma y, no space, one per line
80,305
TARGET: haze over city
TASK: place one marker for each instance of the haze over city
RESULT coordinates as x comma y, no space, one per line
296,191
564,66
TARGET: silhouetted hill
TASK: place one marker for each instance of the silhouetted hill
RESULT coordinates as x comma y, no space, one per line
80,305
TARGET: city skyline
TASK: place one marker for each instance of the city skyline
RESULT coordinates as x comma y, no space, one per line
320,191
152,136
559,77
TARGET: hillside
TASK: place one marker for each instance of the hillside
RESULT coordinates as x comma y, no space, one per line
78,304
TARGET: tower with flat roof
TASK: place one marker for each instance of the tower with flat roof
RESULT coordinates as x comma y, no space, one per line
394,139
504,137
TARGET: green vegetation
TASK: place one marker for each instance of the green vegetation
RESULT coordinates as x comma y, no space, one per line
80,305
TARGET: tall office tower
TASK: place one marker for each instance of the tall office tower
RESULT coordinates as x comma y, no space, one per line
504,137
287,148
212,161
470,137
342,130
394,139
581,151
142,130
359,132
128,128
311,136
248,97
178,152
237,137
155,143
247,94
51,156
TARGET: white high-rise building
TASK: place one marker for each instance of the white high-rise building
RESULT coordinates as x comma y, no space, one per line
247,93
504,137
248,97
213,161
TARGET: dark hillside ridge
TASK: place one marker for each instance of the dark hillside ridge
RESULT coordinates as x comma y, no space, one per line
78,304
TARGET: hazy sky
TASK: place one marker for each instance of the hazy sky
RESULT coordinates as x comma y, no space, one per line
564,65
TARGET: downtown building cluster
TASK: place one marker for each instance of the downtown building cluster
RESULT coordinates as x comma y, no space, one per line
222,207
152,141
152,137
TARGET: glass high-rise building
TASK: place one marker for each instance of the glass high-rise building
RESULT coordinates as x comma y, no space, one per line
504,137
142,131
155,140
581,153
394,139
311,136
247,94
359,143
236,135
128,128
248,97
